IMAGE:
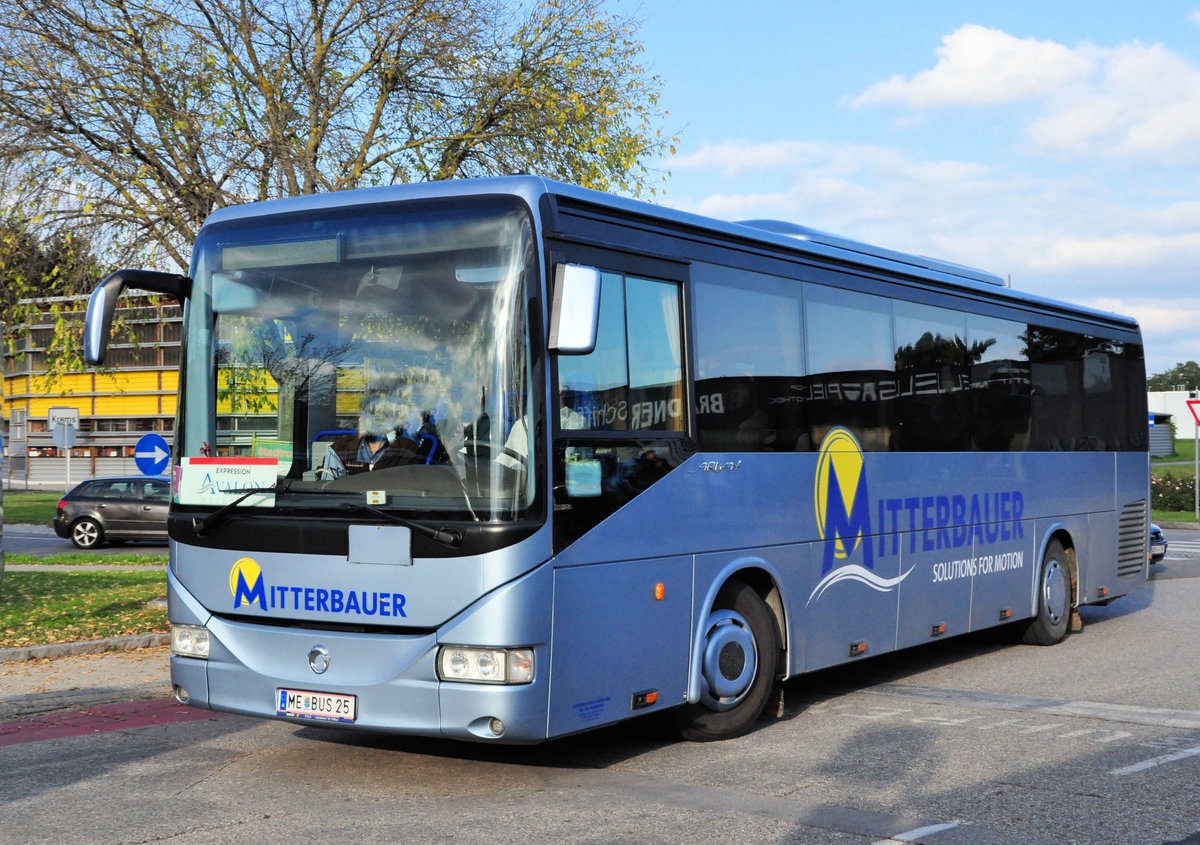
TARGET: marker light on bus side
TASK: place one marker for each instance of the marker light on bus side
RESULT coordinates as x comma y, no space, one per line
189,641
473,665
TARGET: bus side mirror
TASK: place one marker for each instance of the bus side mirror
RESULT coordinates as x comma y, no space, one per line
102,304
575,309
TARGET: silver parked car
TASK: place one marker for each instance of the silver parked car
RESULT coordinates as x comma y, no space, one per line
114,510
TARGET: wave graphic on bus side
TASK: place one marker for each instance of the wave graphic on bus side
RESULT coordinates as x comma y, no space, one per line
854,572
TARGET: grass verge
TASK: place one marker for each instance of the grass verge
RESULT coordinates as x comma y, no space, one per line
30,507
86,559
1174,516
1185,450
61,607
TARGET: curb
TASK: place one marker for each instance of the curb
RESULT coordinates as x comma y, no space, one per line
53,650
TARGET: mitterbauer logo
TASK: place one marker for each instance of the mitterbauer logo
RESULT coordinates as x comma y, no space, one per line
844,516
246,584
248,588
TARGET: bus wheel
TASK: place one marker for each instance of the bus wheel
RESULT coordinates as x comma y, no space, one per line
1053,618
738,665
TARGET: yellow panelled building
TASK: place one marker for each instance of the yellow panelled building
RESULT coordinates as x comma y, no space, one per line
135,395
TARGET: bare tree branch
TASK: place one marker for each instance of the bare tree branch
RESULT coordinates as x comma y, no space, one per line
134,119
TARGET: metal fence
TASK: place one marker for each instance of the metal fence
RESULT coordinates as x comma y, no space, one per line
51,473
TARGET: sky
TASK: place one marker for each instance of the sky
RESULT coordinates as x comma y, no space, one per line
1056,144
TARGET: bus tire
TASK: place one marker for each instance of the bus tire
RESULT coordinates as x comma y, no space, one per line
1053,620
739,663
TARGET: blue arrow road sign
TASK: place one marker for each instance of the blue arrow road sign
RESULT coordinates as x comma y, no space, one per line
152,454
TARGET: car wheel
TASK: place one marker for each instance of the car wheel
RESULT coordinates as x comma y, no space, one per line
86,533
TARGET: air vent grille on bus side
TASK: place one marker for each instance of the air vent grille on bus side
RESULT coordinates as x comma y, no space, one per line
1131,539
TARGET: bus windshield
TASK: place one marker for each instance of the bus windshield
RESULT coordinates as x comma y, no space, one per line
379,350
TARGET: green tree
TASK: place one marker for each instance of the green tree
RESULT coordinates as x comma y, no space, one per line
1183,376
36,273
134,119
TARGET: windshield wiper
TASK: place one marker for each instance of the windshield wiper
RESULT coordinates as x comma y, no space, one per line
445,536
206,524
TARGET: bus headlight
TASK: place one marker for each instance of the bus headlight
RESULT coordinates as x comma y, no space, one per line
189,641
473,665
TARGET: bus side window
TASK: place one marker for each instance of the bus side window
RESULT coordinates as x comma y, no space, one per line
933,373
852,365
749,361
1000,385
633,380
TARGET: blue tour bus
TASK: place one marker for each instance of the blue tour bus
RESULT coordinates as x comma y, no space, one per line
596,459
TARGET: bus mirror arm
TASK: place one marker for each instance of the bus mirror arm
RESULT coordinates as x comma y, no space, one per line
103,304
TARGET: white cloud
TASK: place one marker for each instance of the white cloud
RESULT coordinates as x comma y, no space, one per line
1166,317
1168,328
1090,196
735,156
981,66
1055,227
1146,101
837,187
1062,235
740,157
1134,100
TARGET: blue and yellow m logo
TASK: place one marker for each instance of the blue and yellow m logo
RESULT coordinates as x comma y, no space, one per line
843,509
246,584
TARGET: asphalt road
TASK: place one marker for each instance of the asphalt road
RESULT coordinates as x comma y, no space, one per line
42,541
1096,740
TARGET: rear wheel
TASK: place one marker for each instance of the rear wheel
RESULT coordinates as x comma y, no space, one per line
1053,619
86,533
739,661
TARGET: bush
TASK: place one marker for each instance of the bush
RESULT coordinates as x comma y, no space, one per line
1172,493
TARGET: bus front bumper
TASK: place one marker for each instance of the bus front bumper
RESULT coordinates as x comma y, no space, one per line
382,683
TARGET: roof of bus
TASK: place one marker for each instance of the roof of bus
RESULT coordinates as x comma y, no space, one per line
791,237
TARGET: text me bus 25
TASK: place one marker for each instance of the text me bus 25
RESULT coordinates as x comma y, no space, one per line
506,460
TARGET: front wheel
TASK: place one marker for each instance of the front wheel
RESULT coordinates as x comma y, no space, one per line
1053,619
739,662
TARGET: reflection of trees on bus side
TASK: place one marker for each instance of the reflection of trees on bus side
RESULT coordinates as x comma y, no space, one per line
933,349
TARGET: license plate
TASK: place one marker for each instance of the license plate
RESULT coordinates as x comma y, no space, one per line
323,706
1158,549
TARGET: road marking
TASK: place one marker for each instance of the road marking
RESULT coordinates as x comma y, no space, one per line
867,825
1079,733
1190,547
918,833
1131,714
1156,761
